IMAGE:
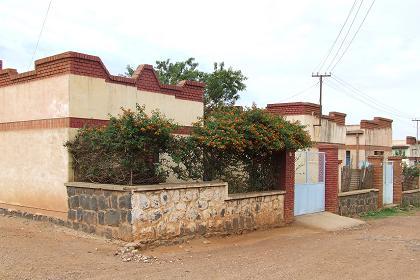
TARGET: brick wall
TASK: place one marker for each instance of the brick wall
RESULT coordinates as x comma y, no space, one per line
377,163
397,179
287,183
331,176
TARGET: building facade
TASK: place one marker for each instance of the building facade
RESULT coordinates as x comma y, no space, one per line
408,149
42,109
370,137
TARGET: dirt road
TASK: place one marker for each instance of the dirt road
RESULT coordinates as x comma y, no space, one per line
385,249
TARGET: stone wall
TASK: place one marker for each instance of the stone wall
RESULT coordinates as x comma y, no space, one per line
168,213
411,197
356,202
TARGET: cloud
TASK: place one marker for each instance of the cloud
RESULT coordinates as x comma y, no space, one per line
277,44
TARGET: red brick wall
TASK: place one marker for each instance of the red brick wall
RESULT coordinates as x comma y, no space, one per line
144,77
378,171
295,108
331,176
287,183
67,123
397,171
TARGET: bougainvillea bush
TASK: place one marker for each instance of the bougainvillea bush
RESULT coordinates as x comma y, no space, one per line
126,151
238,145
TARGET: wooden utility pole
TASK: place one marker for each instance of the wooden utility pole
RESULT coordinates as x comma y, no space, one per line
417,140
320,76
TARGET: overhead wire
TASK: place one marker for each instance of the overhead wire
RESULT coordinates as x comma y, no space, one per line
354,36
299,92
39,35
367,96
345,36
322,63
337,86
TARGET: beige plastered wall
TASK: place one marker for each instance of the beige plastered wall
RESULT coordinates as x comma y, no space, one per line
95,98
34,165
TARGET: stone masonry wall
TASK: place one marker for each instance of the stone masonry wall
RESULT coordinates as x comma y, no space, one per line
411,197
104,212
168,213
357,202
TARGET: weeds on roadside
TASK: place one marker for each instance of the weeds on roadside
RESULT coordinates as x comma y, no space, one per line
390,212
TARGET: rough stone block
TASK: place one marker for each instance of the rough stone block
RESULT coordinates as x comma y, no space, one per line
89,217
71,214
93,203
103,203
73,202
124,201
112,217
101,217
114,201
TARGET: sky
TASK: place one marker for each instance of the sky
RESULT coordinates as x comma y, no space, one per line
276,44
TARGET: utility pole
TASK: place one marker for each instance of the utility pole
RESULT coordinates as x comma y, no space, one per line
320,76
417,139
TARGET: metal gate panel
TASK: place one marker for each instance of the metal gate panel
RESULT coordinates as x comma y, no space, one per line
309,183
388,182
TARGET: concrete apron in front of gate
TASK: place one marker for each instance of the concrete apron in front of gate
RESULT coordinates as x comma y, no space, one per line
328,221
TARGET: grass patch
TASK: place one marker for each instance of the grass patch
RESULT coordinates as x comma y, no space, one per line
389,212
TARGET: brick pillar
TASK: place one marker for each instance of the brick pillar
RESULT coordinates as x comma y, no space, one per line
331,176
287,183
397,171
378,173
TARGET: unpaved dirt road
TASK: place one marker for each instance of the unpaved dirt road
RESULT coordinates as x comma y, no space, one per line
385,249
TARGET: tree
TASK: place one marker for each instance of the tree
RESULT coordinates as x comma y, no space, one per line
222,85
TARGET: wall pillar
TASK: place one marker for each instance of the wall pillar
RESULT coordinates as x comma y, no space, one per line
331,176
397,171
378,173
287,183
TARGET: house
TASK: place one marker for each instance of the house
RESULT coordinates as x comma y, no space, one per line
370,137
408,149
42,109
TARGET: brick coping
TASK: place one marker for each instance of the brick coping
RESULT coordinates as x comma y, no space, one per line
357,192
142,188
144,78
411,191
238,196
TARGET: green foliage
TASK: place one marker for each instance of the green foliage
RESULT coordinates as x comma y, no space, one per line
239,146
223,85
388,212
126,151
411,171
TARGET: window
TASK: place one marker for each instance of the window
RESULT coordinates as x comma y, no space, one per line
378,153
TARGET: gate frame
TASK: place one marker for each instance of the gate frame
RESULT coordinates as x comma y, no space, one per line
388,165
320,181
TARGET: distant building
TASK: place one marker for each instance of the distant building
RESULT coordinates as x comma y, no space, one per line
370,137
408,149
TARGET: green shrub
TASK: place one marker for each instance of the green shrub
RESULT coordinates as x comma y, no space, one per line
239,146
126,151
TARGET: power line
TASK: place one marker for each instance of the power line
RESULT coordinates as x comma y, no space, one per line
39,36
299,92
354,36
345,36
366,96
336,38
374,106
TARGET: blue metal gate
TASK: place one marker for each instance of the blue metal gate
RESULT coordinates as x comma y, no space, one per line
388,182
309,182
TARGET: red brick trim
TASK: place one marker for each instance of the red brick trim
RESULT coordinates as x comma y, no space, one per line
377,122
75,63
304,108
68,123
322,144
369,147
294,108
331,176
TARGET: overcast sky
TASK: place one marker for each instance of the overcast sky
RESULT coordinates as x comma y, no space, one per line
277,45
